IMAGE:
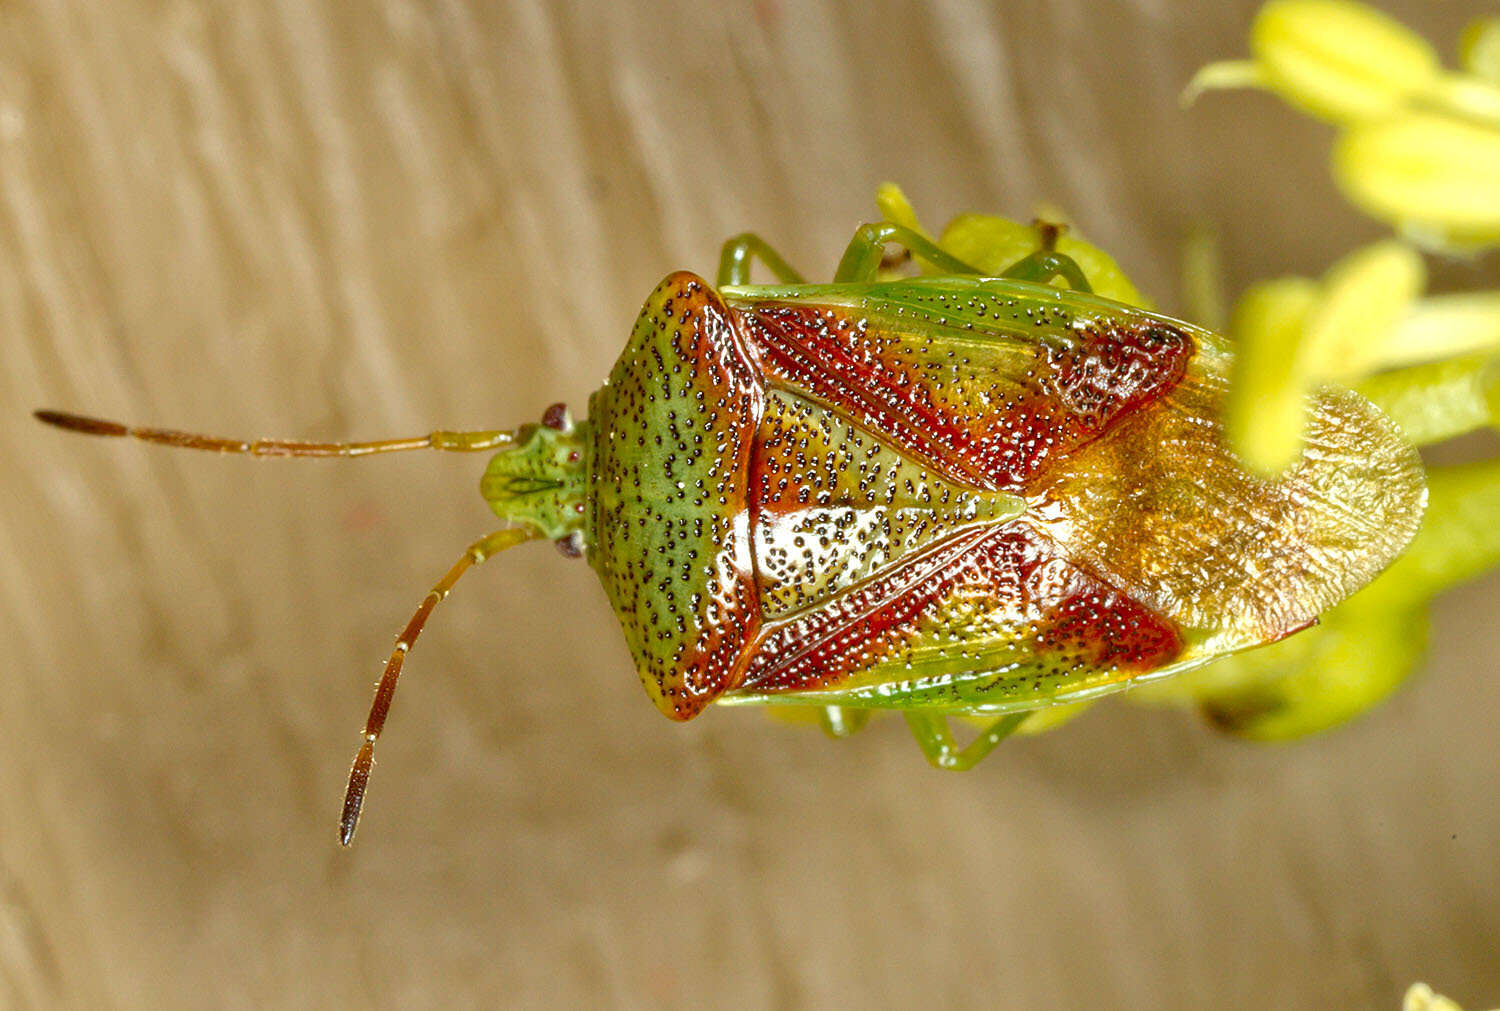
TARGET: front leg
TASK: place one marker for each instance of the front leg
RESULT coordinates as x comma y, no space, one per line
736,257
936,739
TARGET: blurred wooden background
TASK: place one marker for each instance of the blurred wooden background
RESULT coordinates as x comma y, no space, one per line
335,219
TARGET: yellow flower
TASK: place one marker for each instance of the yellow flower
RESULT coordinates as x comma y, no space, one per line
1293,333
1338,60
1479,49
1365,297
1421,997
1267,406
992,244
1435,176
1335,59
1420,143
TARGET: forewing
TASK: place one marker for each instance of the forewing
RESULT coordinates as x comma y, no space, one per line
995,618
986,381
1162,506
1144,547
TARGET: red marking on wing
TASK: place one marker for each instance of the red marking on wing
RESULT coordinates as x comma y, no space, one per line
1070,621
985,427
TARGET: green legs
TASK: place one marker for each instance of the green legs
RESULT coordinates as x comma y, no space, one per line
735,259
1046,263
932,734
841,721
861,260
1043,265
936,739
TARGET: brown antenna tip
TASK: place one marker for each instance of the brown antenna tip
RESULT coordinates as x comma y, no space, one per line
80,423
354,799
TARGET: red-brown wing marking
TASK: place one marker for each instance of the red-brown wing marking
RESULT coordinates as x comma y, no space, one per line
991,612
1145,545
988,406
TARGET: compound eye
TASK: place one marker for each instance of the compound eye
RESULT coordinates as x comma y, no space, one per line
557,418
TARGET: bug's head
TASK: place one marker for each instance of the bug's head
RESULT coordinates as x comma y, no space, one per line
541,479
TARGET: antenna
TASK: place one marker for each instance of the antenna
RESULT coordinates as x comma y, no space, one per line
464,442
359,774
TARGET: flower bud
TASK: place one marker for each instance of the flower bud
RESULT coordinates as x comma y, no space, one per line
993,244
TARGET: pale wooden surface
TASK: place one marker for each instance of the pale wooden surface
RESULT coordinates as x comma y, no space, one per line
311,218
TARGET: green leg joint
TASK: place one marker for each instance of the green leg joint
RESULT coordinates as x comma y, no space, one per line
738,254
936,739
861,261
1042,266
841,721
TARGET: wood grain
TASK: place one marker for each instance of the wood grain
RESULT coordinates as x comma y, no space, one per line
306,218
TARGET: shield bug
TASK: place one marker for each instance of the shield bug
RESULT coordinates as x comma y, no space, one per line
946,495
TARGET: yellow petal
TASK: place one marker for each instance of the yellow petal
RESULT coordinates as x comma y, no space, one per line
1421,997
1365,297
1052,717
1339,60
1438,400
1203,278
1479,48
1434,176
988,241
1490,388
895,208
1267,406
1223,75
1445,326
994,244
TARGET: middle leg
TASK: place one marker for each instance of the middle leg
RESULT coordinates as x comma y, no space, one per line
936,739
861,260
